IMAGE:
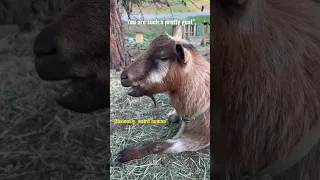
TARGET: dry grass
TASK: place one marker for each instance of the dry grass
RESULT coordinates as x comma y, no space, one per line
176,7
187,165
39,139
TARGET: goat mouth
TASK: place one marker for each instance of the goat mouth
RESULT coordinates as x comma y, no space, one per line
75,84
84,95
136,91
50,67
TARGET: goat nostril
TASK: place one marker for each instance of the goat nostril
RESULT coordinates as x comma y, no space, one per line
124,75
44,44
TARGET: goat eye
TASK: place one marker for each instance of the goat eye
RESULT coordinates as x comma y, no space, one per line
164,58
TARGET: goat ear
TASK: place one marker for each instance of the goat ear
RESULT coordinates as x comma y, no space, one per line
180,53
183,55
178,31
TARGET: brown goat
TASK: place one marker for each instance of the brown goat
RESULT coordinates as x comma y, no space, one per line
75,47
172,65
266,84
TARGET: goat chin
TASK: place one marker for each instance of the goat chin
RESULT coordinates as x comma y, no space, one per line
136,91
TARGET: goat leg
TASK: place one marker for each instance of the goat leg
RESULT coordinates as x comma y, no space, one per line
158,147
128,154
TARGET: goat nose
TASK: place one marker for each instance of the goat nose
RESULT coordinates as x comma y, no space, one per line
124,75
125,81
44,43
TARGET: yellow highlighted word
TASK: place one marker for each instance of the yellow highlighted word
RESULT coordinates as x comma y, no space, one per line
141,121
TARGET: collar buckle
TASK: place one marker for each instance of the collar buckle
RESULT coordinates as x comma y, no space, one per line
188,119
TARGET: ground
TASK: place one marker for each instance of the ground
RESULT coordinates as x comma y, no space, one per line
177,7
187,165
40,140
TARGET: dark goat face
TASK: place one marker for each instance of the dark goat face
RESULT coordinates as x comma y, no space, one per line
75,47
159,69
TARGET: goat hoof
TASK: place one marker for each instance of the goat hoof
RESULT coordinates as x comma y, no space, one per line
128,154
122,158
174,118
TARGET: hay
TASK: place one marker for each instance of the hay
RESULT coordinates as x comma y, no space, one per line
39,139
187,165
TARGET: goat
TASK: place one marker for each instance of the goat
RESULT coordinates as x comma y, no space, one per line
171,64
75,47
266,84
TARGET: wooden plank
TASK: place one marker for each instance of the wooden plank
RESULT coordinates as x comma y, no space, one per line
204,34
139,37
188,31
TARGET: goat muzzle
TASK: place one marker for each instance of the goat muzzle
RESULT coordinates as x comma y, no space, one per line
125,81
136,90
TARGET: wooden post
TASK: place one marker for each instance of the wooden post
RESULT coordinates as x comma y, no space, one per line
205,33
188,32
139,37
